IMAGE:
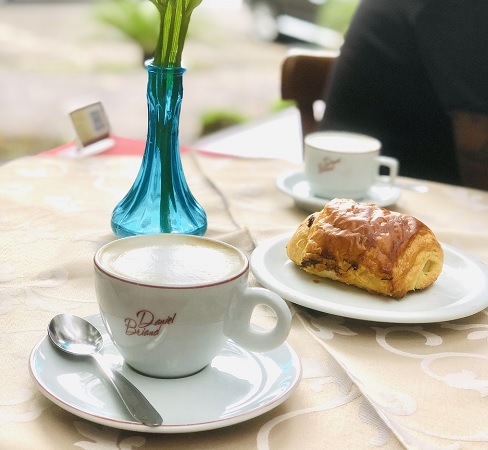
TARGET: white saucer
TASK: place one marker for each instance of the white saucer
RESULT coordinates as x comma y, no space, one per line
238,385
460,291
296,186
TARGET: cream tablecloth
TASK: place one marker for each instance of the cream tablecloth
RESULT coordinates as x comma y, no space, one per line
365,385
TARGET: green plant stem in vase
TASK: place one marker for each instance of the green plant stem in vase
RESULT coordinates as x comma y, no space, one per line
175,20
160,200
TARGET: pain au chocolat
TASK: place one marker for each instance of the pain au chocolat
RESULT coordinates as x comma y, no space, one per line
367,246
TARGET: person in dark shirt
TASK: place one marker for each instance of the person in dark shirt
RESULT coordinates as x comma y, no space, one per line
414,74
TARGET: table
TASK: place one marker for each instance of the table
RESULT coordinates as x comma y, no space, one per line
365,385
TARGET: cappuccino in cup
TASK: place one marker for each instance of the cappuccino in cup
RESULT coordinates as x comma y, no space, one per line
345,165
169,302
189,262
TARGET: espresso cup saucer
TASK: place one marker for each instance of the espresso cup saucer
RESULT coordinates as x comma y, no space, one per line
236,386
296,186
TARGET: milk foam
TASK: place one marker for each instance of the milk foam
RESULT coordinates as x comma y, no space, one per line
343,142
175,264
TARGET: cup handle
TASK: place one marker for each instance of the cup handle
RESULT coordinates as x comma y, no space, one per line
239,327
392,164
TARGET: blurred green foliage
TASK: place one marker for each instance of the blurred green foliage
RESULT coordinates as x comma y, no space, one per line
337,14
280,105
138,20
216,120
12,147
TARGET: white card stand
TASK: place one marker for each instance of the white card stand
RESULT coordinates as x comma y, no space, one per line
92,132
77,151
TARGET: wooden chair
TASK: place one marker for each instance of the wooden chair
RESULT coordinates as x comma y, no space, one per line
304,78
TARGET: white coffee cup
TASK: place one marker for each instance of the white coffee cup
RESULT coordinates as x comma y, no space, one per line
169,302
345,165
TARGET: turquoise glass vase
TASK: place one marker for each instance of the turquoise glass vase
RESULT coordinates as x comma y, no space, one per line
160,200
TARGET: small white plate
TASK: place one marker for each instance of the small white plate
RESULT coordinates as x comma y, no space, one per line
296,186
237,386
460,291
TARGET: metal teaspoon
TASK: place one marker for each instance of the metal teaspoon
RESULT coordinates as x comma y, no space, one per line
78,337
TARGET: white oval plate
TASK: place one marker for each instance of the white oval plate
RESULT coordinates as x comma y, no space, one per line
238,385
296,186
460,291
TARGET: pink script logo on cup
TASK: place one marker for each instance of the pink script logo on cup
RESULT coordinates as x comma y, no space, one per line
327,164
146,324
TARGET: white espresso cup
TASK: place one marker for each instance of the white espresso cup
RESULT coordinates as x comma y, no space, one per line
345,165
169,302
